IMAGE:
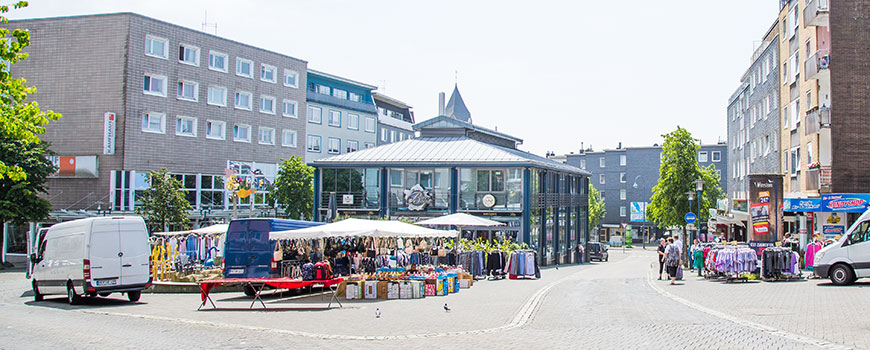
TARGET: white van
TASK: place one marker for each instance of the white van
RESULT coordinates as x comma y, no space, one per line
93,256
847,259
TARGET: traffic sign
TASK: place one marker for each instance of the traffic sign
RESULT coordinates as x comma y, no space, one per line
690,218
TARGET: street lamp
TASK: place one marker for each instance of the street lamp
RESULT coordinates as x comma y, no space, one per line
699,187
101,211
688,237
204,210
635,185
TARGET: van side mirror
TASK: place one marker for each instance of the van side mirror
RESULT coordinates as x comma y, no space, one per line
33,258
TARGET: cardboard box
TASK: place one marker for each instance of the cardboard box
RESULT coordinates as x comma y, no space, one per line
451,285
370,289
429,289
393,290
405,290
464,283
382,289
418,289
353,291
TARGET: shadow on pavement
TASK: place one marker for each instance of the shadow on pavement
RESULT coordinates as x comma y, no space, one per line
59,302
855,285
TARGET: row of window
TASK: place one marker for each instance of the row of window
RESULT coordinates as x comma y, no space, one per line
315,116
217,96
154,122
333,145
388,136
217,61
702,156
335,92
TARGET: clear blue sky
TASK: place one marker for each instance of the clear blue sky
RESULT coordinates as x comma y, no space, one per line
554,73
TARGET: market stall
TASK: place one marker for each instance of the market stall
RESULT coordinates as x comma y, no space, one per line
258,284
187,256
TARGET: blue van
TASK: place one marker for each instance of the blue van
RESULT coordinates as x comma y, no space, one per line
248,249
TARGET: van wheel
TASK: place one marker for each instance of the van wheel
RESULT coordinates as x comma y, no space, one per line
36,295
71,296
249,291
104,294
842,275
134,295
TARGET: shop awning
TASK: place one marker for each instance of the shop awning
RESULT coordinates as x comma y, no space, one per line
725,220
362,228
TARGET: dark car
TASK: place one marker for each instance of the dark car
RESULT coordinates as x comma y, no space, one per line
597,251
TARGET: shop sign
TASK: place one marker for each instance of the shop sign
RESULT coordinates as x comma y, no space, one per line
833,231
741,205
109,133
760,214
765,199
417,198
759,246
848,203
488,200
74,166
802,204
347,199
638,211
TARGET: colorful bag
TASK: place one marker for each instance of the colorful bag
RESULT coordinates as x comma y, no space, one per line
430,290
680,273
322,271
308,272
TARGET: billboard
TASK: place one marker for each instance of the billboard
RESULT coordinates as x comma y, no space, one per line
765,196
638,211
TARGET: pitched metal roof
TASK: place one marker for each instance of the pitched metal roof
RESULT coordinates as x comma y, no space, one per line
456,107
444,151
447,122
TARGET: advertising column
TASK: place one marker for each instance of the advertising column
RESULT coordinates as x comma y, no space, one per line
765,214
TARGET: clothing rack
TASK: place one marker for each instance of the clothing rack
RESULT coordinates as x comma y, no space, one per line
780,264
523,263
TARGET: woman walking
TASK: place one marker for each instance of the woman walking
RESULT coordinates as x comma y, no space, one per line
662,245
672,260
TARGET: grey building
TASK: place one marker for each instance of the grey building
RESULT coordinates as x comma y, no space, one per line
341,115
395,119
625,177
152,95
754,119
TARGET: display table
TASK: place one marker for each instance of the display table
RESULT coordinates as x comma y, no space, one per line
258,284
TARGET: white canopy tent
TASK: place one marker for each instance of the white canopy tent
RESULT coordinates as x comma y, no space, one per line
460,219
361,228
212,230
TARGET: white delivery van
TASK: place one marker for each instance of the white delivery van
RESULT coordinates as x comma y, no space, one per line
847,259
93,256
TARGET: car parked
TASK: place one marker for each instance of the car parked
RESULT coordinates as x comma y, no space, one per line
597,251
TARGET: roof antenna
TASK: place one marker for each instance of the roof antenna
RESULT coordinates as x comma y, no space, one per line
455,77
206,24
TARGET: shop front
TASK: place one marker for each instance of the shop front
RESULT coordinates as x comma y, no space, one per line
828,216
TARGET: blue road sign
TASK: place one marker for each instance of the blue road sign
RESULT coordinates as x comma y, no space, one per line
690,218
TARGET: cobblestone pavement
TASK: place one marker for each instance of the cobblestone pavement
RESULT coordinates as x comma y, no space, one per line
607,305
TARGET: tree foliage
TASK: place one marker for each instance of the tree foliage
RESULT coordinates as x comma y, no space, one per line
294,188
596,207
164,204
19,199
19,119
679,168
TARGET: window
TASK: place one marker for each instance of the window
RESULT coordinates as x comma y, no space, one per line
809,99
784,73
583,164
795,68
601,162
244,67
267,104
334,118
622,160
354,97
334,146
289,109
242,133
339,93
861,234
622,178
288,138
623,194
314,143
315,115
601,178
382,111
767,107
717,156
217,61
156,47
243,100
267,136
393,137
291,78
702,157
369,145
370,124
601,195
322,89
352,146
215,130
384,135
396,177
155,85
795,108
809,152
185,126
154,122
766,145
353,121
268,73
490,180
188,54
217,95
188,90
622,211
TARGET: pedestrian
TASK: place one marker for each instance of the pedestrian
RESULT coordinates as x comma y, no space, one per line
580,251
672,260
662,245
698,256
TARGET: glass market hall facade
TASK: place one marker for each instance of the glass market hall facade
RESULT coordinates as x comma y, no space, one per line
455,166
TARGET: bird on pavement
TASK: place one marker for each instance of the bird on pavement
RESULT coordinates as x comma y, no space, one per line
377,313
446,308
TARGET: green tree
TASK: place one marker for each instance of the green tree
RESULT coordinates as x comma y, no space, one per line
164,204
679,168
294,188
20,200
19,119
596,207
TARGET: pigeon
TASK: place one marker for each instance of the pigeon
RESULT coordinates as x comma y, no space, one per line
446,308
377,313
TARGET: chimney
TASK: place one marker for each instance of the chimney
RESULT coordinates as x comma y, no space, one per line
441,108
620,146
582,150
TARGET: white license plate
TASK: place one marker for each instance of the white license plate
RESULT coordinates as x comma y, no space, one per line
107,282
237,271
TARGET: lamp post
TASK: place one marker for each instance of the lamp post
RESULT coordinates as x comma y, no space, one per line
101,211
204,210
687,233
699,187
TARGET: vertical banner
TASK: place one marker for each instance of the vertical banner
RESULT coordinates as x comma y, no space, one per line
109,133
765,214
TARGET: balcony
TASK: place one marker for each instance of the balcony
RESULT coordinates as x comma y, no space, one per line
816,13
817,118
812,179
825,179
816,65
315,97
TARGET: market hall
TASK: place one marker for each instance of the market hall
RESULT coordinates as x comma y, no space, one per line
457,167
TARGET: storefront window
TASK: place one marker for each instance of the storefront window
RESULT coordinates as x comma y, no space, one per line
535,229
353,187
515,189
504,185
16,239
563,236
435,181
550,250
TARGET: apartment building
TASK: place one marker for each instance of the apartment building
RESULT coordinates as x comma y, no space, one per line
139,94
395,119
342,116
754,118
